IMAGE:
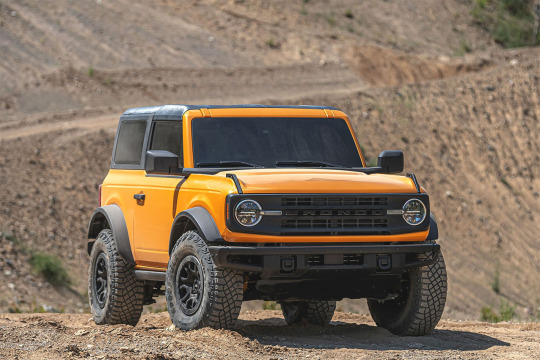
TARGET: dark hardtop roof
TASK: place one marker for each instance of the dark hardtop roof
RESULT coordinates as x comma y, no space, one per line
178,111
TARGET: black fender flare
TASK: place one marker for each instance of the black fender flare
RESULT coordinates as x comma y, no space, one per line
201,219
433,229
111,216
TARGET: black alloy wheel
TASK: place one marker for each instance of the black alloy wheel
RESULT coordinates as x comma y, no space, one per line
100,283
190,287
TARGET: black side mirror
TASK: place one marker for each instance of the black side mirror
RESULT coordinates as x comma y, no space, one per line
161,162
391,161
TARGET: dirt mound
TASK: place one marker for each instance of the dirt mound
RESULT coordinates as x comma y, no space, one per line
258,334
385,67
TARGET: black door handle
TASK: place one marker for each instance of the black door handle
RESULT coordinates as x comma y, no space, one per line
139,197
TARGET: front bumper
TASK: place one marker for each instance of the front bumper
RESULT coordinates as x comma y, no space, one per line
296,261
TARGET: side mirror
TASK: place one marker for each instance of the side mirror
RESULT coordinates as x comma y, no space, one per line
161,162
391,161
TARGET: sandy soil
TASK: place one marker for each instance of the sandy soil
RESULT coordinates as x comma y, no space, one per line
261,335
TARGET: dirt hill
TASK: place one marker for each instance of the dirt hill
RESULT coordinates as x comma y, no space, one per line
469,125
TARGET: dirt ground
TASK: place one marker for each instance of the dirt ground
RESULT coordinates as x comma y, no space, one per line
258,334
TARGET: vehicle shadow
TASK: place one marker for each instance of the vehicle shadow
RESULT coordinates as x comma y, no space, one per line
340,335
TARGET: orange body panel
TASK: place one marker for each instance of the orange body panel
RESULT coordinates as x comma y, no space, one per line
166,197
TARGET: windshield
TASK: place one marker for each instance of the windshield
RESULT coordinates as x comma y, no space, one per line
273,142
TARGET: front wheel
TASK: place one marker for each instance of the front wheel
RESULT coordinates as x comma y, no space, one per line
312,311
198,293
419,307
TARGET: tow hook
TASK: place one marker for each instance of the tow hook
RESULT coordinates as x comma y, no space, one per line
384,262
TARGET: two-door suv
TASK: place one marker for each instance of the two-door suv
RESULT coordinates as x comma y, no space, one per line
213,205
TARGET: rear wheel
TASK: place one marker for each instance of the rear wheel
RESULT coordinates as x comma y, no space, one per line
312,311
199,293
114,293
418,309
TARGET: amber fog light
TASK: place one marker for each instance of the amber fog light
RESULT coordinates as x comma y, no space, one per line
414,212
248,212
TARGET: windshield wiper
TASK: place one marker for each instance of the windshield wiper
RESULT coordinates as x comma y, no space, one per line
226,164
306,163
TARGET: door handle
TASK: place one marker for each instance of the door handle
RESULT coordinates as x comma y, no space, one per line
140,197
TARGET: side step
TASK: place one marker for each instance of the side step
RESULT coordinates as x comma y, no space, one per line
150,275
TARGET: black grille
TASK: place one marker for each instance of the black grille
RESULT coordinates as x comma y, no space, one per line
334,214
317,201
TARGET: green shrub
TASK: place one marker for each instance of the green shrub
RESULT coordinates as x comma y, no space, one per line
272,44
331,20
464,48
14,309
496,284
489,315
507,312
270,305
50,267
510,22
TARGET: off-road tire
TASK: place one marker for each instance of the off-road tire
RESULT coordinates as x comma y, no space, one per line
222,289
419,308
312,311
121,299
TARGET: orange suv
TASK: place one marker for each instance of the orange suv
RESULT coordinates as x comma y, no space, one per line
213,205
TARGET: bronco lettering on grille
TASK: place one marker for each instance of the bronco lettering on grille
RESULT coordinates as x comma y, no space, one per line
334,212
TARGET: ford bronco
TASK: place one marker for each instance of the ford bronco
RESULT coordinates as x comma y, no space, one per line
215,205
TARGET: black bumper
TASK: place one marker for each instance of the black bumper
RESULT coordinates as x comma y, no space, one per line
289,261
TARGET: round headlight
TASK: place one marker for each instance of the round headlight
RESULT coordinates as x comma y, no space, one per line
414,212
248,212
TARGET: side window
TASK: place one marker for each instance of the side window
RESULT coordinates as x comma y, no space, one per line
167,135
130,142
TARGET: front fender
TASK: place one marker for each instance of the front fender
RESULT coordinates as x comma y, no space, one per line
201,219
433,229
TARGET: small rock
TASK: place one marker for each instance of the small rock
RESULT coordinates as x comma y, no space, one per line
449,194
171,328
81,332
514,62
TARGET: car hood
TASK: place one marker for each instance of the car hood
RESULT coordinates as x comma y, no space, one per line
306,181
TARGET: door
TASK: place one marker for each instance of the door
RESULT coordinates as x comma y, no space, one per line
157,200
